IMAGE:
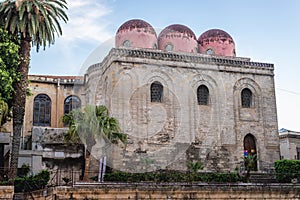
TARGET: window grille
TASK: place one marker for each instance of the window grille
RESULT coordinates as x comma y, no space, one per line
202,95
246,98
156,90
71,102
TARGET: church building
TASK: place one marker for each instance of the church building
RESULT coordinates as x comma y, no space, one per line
178,97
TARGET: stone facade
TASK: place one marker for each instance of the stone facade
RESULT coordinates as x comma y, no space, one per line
216,130
175,104
169,133
289,144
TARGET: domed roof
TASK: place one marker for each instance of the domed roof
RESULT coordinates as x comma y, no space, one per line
177,37
136,33
216,42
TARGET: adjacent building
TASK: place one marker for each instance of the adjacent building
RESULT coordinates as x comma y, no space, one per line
289,144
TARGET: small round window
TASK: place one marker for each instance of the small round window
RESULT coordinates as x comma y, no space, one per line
126,43
210,52
169,47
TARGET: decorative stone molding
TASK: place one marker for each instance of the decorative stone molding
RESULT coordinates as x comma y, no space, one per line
195,58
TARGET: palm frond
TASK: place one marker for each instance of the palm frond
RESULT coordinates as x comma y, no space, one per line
40,20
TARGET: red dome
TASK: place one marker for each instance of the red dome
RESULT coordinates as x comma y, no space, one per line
178,37
136,33
216,42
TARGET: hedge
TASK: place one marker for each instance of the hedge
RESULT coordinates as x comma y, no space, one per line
172,176
33,182
286,170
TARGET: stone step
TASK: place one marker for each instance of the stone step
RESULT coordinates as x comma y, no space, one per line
262,178
19,196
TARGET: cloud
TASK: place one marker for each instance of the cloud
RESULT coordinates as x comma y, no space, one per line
87,22
86,29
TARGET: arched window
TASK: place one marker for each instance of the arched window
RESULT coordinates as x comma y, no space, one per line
156,90
246,96
202,95
42,110
71,102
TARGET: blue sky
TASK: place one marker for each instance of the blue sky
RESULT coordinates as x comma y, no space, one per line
265,31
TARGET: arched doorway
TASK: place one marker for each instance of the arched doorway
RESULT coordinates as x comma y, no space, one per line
250,148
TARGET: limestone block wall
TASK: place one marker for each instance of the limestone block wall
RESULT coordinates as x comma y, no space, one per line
6,192
216,130
148,191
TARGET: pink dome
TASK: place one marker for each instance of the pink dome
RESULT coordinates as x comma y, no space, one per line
216,42
136,33
179,38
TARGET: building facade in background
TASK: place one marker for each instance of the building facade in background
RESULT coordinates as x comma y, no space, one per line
289,144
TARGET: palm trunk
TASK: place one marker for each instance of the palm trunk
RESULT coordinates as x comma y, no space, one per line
87,166
18,103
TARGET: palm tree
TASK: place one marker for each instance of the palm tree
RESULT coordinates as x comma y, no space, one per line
250,164
36,22
92,122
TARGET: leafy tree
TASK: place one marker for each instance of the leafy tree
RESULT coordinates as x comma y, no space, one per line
9,61
3,111
36,22
92,122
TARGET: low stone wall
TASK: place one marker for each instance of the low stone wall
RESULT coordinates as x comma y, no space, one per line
164,191
6,192
181,191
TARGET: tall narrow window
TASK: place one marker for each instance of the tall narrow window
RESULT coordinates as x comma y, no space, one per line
42,110
246,96
71,102
156,90
202,95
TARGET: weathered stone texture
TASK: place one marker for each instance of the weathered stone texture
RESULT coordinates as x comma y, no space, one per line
160,134
218,129
173,191
6,192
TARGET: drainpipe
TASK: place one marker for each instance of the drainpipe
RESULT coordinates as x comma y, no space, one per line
57,99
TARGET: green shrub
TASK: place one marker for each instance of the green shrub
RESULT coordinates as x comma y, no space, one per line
23,171
33,182
286,170
172,176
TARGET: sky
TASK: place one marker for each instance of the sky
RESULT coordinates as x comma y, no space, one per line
265,31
